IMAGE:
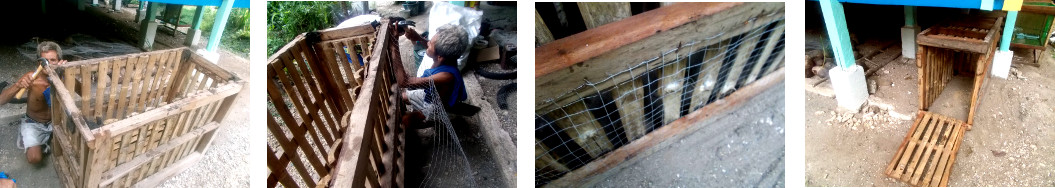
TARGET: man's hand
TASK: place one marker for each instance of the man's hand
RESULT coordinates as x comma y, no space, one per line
25,81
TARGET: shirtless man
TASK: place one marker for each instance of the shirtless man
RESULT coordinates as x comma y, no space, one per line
35,128
446,46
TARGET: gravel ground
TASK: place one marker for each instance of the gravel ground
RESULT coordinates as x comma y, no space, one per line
742,148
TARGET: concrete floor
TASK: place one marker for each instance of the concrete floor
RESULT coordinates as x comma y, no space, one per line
741,148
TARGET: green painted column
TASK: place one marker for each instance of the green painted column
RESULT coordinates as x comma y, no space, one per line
219,24
194,33
1009,28
839,36
199,13
910,15
148,27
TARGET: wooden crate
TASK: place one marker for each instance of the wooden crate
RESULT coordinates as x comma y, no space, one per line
928,152
965,46
605,93
333,120
137,119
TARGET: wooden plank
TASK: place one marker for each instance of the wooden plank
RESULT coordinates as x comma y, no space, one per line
341,33
671,82
565,52
100,85
122,170
577,122
940,151
919,139
904,142
671,131
86,91
628,98
710,56
567,71
958,139
595,14
542,33
929,142
347,172
289,150
912,146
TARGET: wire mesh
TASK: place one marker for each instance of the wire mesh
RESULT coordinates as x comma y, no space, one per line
660,90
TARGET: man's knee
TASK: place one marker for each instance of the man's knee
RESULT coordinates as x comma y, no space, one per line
33,155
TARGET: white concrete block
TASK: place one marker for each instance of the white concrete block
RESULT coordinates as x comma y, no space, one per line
908,41
211,56
849,85
1002,63
193,36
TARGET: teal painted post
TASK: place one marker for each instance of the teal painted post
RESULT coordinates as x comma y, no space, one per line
219,23
1009,28
839,36
910,15
199,13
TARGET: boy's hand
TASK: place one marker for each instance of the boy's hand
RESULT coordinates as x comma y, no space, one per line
25,81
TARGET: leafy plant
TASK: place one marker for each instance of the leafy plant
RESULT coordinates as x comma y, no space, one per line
286,20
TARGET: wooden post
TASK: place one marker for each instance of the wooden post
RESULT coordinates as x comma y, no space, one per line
595,14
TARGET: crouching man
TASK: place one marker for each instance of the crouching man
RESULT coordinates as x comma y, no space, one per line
35,127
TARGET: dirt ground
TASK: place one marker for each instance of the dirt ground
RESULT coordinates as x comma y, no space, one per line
1008,145
223,165
741,148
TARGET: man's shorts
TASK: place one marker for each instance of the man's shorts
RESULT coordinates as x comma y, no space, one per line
33,133
417,102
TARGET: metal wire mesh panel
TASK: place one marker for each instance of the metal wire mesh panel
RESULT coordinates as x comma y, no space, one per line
586,122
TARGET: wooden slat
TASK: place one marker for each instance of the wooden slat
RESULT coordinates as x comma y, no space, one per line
595,14
569,62
671,131
542,33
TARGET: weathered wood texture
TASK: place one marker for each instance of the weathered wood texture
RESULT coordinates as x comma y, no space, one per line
371,154
595,14
137,119
928,152
542,33
332,118
589,106
962,47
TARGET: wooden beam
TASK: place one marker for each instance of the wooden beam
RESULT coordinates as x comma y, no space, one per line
595,54
595,14
671,131
542,33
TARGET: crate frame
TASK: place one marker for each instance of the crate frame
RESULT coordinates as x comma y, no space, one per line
943,145
933,60
362,145
186,115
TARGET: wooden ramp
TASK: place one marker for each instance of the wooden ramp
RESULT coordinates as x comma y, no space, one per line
926,156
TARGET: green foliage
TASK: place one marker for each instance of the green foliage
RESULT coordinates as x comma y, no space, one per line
287,19
236,32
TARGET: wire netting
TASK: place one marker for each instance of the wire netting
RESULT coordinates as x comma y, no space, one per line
586,122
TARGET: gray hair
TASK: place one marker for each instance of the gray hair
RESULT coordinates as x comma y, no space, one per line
49,46
450,42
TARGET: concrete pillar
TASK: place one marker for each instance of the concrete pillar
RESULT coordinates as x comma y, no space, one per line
848,79
219,23
117,5
194,33
148,27
95,3
1002,59
908,33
